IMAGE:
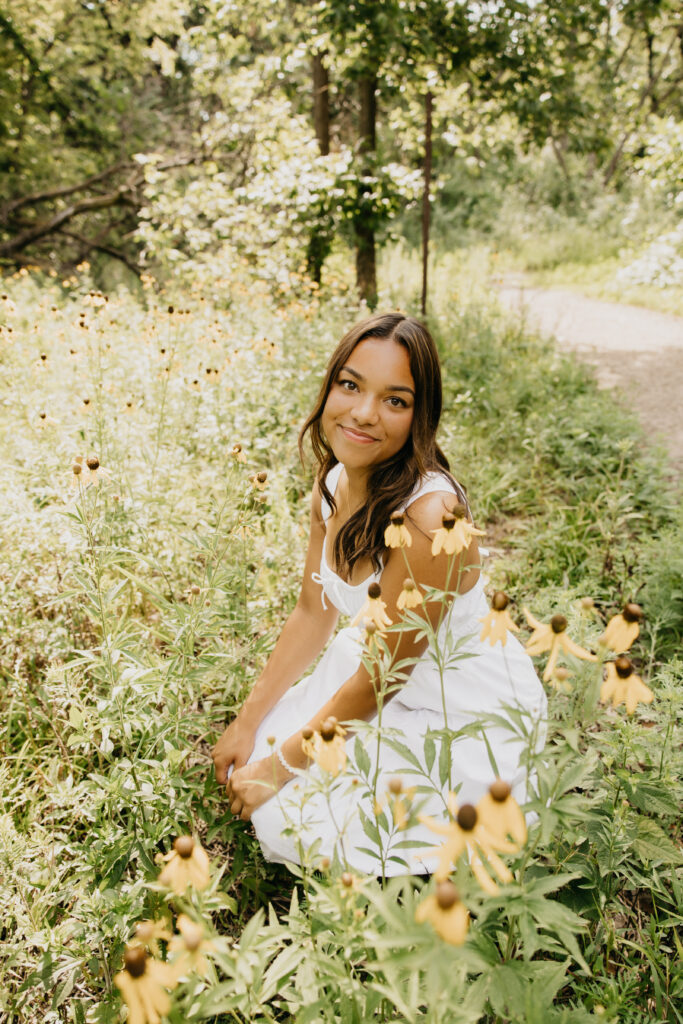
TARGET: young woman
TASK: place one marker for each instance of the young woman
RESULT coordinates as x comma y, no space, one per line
373,433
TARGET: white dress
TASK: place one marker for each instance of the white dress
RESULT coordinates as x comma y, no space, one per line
482,682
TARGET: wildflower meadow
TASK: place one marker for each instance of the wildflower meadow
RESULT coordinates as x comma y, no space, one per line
154,521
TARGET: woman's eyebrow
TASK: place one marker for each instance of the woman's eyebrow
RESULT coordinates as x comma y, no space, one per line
392,387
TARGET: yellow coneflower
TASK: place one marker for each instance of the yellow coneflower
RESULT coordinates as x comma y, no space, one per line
191,945
410,596
350,883
446,913
623,686
148,933
399,800
500,814
498,621
552,636
237,453
559,680
586,606
143,983
465,833
260,480
43,420
186,864
95,471
374,610
326,747
622,629
455,533
77,472
397,535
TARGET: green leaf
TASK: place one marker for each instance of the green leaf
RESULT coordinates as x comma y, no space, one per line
362,757
653,846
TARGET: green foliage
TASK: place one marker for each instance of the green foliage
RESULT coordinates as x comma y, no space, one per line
135,614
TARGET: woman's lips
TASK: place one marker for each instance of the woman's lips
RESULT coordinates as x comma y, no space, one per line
357,435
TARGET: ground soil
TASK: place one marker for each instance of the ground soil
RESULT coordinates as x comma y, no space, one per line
637,353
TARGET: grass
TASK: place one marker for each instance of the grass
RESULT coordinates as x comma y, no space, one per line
135,614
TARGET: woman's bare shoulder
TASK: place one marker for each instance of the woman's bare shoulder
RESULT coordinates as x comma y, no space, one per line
427,511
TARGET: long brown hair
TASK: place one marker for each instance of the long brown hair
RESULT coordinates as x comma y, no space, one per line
391,483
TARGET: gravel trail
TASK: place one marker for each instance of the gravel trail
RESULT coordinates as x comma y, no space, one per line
635,351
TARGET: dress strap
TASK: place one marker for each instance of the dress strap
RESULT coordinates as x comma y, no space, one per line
437,482
331,481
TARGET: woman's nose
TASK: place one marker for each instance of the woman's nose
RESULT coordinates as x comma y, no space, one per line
365,409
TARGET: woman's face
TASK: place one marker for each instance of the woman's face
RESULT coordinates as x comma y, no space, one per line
368,414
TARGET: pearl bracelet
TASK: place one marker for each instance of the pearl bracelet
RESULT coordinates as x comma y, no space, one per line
283,761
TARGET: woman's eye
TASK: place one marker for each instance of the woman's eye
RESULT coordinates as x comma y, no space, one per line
348,385
398,403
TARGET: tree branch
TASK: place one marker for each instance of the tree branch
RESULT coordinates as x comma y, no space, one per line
56,193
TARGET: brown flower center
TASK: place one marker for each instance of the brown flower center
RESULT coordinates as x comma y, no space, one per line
500,601
558,623
632,612
307,734
467,817
500,791
446,895
183,846
395,786
92,463
397,519
347,880
374,591
408,585
135,961
262,477
328,729
624,667
77,469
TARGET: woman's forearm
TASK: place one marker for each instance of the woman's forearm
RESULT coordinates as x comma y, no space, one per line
302,639
356,699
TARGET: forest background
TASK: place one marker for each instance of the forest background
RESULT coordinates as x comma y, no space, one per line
196,200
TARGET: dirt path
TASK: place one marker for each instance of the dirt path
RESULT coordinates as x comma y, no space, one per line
637,351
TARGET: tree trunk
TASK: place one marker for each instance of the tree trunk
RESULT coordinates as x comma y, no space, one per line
366,264
320,237
426,198
321,103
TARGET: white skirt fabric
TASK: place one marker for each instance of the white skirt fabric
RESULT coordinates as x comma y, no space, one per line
482,684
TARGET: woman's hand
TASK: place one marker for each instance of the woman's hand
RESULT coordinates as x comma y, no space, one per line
251,786
233,748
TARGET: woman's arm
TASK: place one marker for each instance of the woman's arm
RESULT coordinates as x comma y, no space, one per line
357,697
303,637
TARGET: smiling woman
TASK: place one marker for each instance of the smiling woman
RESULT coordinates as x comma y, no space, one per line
373,434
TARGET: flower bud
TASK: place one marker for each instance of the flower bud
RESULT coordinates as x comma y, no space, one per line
135,961
467,817
558,623
374,591
328,729
446,895
183,846
500,601
500,791
632,612
624,667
